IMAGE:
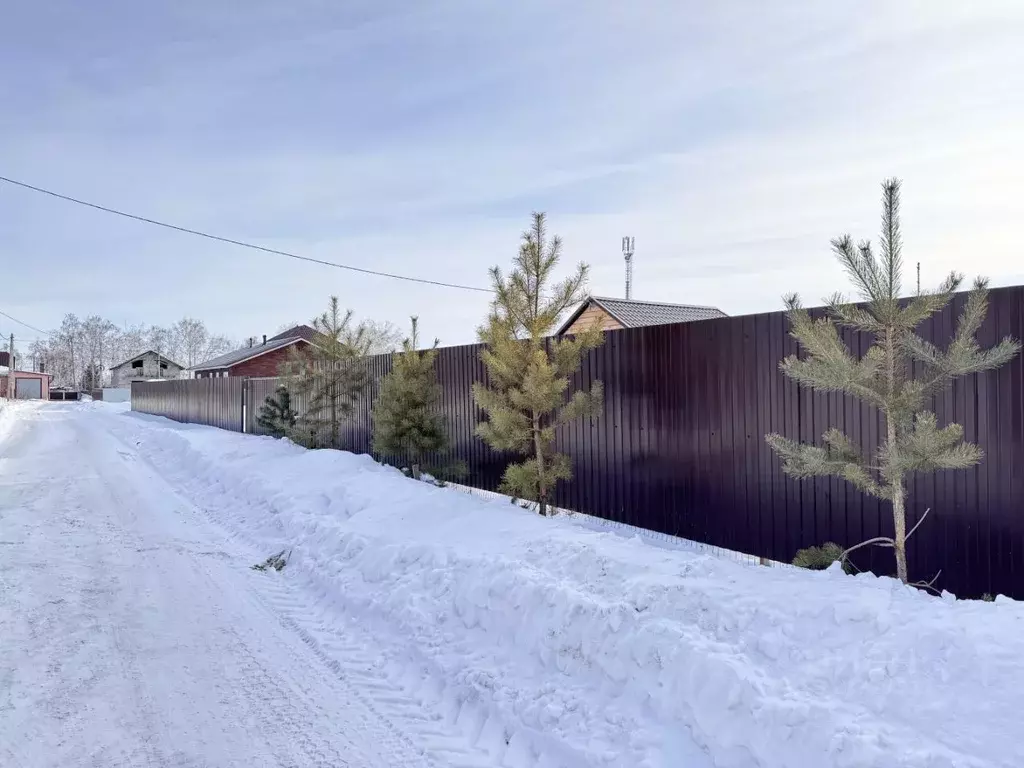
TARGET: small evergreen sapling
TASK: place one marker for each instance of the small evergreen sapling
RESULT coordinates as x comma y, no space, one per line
529,373
406,419
820,558
330,373
276,415
898,375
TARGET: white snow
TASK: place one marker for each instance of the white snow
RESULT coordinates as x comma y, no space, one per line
523,641
7,411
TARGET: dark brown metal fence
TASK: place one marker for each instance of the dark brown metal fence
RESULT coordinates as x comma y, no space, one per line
680,447
214,402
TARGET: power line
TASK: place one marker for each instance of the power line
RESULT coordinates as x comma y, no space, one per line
22,322
240,243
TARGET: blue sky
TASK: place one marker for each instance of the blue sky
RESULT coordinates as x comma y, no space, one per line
731,140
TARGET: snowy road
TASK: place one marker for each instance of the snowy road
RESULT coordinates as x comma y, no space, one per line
133,633
418,626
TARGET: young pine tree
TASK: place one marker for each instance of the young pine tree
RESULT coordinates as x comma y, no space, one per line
330,374
276,415
529,374
406,419
898,375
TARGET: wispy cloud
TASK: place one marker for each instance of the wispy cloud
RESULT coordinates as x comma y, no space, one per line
732,140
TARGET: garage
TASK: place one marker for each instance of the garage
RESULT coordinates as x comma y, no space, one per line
25,385
28,389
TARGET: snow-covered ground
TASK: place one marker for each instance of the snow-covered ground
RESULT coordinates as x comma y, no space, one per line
421,626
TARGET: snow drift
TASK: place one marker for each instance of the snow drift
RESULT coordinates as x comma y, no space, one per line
552,645
8,412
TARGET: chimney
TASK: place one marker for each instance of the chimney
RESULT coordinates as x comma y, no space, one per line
264,338
251,340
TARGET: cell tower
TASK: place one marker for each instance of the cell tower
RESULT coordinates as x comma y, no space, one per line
627,251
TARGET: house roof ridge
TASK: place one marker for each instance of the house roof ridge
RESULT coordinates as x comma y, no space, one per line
655,303
231,358
133,358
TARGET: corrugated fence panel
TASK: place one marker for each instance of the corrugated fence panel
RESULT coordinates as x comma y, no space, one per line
680,445
214,402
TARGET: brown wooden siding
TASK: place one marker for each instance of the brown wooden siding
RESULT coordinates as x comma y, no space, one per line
591,315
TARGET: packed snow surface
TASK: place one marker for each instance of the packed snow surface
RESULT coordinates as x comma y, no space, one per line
415,623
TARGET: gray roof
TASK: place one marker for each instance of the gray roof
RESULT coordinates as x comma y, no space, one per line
297,332
636,314
247,353
164,358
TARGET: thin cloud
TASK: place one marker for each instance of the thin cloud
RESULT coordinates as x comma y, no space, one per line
732,143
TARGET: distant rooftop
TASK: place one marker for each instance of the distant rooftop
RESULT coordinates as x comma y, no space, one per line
141,355
631,313
247,353
297,332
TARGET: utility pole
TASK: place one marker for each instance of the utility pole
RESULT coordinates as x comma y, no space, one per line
919,278
8,390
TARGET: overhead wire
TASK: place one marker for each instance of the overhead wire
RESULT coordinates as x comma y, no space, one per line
27,325
240,243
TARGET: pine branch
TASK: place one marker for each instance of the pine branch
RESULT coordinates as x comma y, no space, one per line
860,265
923,306
997,356
892,244
582,404
926,448
963,355
839,458
917,524
878,541
929,585
829,366
850,315
567,353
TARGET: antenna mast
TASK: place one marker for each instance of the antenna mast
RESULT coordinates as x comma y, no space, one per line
627,251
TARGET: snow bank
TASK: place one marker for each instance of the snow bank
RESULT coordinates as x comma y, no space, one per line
9,411
553,645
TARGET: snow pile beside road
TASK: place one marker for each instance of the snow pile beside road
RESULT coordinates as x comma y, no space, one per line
8,413
552,645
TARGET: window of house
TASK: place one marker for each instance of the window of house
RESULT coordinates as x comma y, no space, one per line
137,364
163,366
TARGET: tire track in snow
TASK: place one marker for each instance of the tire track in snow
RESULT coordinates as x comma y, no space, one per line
279,705
352,664
127,645
470,731
427,740
390,719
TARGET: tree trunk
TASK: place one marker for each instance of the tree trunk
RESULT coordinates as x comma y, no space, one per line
334,414
899,516
900,519
542,491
